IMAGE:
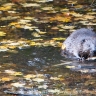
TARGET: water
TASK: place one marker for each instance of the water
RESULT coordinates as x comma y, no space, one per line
30,61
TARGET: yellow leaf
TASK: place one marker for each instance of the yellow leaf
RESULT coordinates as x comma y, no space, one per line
42,32
18,26
61,18
3,48
2,33
5,79
17,73
11,47
32,43
13,23
60,38
5,8
29,76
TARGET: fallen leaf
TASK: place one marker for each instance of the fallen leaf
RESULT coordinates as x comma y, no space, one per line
9,71
2,33
54,90
6,79
17,74
43,86
18,84
38,80
47,8
3,48
29,76
60,38
31,5
55,78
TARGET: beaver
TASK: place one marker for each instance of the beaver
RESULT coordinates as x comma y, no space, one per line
80,45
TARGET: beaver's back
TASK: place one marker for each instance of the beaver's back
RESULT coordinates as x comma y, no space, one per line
81,33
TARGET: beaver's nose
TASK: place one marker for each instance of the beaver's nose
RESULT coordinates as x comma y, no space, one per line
94,52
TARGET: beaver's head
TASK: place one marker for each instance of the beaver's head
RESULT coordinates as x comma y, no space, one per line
88,48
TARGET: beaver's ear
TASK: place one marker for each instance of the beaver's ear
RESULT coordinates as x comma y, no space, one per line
63,47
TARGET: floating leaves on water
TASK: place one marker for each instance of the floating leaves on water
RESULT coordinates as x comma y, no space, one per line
2,33
4,79
5,8
89,17
12,12
31,5
70,66
33,44
14,44
87,70
53,90
49,43
47,8
27,27
39,39
7,4
13,23
24,21
18,74
35,34
29,76
66,27
9,71
38,80
64,10
9,18
91,13
17,84
59,38
43,1
59,18
24,46
12,47
90,23
78,6
42,33
43,86
39,75
28,18
84,22
3,48
76,14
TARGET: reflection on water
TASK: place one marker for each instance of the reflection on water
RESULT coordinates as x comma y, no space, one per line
87,66
42,71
